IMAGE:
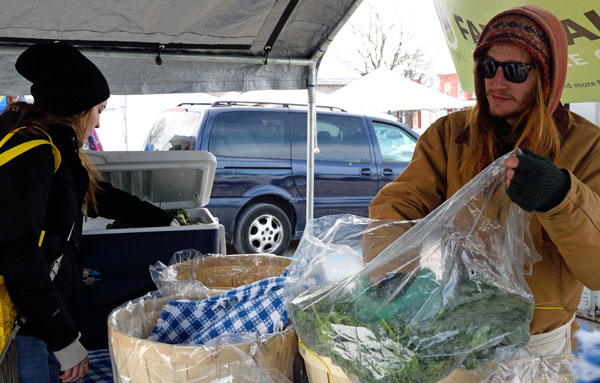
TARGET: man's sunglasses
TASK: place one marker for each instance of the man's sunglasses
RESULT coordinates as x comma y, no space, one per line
513,71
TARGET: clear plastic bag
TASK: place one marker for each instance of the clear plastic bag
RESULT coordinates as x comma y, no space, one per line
515,364
587,357
189,271
446,293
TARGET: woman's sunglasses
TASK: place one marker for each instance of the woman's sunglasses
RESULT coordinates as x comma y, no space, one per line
513,71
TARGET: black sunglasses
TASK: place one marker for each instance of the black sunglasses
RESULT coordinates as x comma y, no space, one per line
513,71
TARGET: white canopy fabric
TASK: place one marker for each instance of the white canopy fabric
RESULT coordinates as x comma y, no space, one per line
387,91
204,45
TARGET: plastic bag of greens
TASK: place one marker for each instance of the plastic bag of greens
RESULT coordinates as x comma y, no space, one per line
446,293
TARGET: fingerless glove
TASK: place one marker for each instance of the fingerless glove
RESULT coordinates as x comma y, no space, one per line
538,184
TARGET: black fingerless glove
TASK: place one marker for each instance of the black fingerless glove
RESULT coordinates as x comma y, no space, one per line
538,185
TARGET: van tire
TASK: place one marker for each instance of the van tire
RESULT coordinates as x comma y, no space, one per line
262,228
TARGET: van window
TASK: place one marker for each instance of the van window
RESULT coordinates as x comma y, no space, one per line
395,144
175,129
339,138
250,134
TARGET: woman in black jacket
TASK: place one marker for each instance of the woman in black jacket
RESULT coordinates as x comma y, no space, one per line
42,206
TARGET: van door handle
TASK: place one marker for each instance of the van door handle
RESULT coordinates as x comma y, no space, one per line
387,172
365,172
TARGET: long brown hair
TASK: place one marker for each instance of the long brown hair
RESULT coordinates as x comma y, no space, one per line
79,125
30,115
538,132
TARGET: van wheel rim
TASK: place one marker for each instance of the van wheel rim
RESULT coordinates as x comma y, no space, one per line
265,233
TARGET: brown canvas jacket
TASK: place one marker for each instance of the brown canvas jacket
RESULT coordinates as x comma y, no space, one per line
567,236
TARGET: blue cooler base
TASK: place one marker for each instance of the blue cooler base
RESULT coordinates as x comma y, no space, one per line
118,265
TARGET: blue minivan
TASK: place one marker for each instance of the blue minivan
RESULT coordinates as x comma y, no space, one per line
259,187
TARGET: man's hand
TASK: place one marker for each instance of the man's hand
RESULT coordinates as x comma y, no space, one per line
76,372
510,164
534,182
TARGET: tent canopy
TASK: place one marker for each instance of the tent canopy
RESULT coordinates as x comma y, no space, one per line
387,91
201,45
184,46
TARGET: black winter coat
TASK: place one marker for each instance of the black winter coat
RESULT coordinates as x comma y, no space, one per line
34,198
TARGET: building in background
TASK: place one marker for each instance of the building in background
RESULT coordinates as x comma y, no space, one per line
450,86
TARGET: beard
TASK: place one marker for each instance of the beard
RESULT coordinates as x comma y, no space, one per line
519,107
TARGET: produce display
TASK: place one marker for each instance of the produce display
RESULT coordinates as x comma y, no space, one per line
448,292
385,342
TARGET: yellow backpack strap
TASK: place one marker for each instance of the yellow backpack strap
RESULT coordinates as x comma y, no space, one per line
22,148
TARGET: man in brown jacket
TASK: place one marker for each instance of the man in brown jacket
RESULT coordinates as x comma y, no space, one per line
521,64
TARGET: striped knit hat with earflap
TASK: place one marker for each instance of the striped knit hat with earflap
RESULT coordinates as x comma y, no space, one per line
522,31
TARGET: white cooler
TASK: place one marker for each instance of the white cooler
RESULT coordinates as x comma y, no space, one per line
117,260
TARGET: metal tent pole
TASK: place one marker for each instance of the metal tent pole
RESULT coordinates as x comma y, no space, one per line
310,141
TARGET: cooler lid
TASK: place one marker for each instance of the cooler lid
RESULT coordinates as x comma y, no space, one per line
170,179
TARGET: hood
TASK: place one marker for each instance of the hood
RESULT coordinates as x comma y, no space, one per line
558,47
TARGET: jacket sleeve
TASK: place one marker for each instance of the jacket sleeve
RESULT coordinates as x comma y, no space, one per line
22,263
421,187
117,204
417,191
574,225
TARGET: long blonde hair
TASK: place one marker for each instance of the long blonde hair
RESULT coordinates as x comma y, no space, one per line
538,132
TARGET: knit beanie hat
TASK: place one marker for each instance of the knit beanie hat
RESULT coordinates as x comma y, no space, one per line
64,81
522,31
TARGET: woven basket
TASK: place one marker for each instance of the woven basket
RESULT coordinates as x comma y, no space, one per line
135,359
230,270
320,369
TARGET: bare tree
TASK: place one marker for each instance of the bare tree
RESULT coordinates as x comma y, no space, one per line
388,44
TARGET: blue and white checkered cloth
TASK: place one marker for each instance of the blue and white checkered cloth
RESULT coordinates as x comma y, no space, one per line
254,308
100,367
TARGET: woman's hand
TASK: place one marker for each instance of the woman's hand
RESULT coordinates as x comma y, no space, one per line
76,372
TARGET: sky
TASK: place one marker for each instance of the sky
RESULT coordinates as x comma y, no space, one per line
417,16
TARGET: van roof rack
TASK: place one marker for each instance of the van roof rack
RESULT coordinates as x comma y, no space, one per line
194,103
274,104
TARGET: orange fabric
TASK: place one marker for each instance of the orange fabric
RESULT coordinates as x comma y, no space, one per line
570,246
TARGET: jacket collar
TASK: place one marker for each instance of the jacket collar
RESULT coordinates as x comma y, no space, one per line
64,137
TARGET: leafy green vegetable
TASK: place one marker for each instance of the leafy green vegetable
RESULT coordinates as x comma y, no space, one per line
410,337
182,216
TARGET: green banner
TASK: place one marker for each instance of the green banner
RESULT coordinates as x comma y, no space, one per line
463,20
